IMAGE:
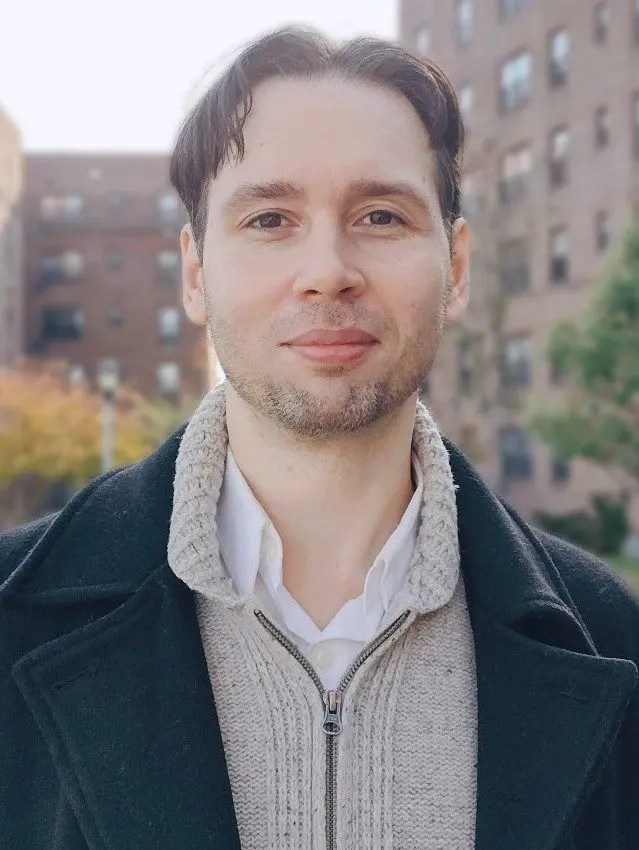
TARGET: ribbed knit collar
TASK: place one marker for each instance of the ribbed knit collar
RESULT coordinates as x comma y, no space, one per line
193,548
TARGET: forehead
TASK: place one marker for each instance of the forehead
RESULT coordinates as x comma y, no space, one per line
325,133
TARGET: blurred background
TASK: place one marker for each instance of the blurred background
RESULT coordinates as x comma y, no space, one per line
539,384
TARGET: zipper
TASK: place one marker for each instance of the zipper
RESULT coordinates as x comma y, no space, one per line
332,702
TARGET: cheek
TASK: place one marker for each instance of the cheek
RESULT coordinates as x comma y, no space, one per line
416,295
241,287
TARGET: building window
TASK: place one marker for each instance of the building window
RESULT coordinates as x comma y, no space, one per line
515,80
515,452
170,207
602,230
58,268
559,144
62,323
507,8
466,370
514,271
517,363
61,207
115,318
169,324
466,102
559,255
602,127
168,265
168,378
514,174
559,53
561,470
464,21
601,23
422,40
115,260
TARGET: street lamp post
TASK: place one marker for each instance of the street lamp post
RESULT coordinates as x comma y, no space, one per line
107,383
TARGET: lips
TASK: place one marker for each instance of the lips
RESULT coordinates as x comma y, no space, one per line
339,336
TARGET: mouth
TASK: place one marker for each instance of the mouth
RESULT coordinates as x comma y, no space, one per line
332,346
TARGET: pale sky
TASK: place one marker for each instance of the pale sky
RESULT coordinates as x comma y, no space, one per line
119,75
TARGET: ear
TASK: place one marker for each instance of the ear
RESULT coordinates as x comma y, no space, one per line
193,296
460,270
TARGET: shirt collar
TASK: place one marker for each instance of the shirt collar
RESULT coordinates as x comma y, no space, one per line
241,522
250,544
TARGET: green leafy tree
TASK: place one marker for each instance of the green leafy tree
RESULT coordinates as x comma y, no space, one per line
599,358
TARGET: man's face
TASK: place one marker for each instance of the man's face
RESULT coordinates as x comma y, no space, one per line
330,223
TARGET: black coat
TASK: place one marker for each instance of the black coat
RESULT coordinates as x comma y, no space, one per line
109,736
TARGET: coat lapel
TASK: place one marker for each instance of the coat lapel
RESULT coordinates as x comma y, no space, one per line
548,706
547,719
125,708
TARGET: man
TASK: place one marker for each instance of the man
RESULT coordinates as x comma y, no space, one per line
304,622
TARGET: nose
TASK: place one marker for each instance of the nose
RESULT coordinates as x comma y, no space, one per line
327,268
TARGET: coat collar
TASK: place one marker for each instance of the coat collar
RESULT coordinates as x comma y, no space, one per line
123,700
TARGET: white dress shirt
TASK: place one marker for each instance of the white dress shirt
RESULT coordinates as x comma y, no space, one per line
251,550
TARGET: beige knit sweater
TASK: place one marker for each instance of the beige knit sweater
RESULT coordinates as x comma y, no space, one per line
401,772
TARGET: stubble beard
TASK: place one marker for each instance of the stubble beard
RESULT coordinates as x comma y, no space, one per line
325,417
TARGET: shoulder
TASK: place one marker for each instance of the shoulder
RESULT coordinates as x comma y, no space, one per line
604,600
16,543
113,530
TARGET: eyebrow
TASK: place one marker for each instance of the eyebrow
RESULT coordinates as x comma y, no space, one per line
273,190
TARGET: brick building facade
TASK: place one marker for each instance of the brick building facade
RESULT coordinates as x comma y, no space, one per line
550,96
102,271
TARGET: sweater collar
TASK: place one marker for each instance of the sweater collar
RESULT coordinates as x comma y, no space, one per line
193,547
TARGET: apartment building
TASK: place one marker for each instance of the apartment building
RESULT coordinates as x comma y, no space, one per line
11,179
550,97
102,271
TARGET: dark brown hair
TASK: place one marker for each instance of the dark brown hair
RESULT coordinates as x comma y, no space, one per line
213,129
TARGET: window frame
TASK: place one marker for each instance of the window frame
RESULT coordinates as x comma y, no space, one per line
558,166
517,371
600,27
514,277
559,265
602,132
521,464
174,335
521,89
171,391
464,25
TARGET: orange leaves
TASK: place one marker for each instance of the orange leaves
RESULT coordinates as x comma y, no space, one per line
51,429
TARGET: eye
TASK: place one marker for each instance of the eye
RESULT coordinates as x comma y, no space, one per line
266,221
383,218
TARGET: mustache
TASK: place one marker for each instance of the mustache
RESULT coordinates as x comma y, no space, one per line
330,315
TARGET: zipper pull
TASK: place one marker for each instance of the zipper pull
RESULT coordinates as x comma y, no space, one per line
333,712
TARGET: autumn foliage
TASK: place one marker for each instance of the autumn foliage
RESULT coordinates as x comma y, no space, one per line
50,432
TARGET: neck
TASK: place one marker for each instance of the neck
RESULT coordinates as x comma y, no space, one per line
333,503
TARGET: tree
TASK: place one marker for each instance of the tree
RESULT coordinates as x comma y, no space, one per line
599,359
50,433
